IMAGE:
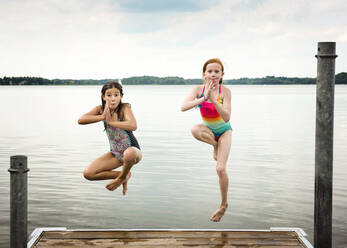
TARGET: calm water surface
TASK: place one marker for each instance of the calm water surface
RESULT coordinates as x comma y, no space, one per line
271,167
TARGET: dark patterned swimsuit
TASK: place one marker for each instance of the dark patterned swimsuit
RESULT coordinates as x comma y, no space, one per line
120,140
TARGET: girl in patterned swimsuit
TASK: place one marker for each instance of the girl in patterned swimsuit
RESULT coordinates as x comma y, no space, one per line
214,101
119,122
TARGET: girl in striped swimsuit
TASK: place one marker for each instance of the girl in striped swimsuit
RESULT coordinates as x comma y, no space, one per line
119,122
214,101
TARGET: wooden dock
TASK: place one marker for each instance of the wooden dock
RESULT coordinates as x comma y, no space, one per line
275,237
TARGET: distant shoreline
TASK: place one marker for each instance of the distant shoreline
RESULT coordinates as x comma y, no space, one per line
340,78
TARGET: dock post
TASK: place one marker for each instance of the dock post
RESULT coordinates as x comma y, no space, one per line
324,144
18,201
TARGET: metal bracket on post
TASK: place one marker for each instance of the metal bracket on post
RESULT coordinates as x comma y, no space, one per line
18,170
327,56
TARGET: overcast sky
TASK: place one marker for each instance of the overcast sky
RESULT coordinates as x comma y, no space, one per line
89,39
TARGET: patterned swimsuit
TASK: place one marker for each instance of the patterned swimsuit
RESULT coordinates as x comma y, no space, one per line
120,140
211,118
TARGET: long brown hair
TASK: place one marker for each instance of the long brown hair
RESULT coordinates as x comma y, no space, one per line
210,61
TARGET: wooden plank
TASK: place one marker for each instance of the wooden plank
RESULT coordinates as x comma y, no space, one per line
175,242
170,238
106,244
110,243
166,234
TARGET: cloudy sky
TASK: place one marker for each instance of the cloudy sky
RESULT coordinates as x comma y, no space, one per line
123,38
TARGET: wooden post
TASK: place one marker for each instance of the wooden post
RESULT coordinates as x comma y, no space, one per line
18,201
324,144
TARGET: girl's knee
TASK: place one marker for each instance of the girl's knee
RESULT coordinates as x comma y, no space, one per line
130,156
89,175
196,130
221,170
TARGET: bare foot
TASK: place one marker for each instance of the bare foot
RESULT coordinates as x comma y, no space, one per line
217,216
115,183
215,152
125,184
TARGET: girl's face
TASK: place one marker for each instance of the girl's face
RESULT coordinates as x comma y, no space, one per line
112,97
213,72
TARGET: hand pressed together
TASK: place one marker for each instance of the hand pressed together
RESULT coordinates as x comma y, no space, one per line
210,91
108,114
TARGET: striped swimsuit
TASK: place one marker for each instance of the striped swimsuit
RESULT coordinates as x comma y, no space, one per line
211,118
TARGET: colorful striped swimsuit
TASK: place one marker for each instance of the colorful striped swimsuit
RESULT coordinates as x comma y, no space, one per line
211,118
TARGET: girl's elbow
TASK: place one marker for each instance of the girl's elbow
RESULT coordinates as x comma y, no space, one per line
133,127
80,121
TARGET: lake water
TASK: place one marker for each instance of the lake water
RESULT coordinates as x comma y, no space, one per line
271,166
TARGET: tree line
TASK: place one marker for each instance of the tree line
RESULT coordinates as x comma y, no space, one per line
340,78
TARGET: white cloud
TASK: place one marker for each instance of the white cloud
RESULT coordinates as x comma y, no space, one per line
98,39
153,6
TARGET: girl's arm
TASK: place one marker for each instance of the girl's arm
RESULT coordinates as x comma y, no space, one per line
95,115
128,122
192,99
225,109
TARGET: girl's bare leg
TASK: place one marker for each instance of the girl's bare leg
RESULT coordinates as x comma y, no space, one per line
102,168
204,134
131,156
224,144
125,183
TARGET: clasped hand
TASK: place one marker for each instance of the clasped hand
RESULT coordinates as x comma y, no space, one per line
107,114
210,91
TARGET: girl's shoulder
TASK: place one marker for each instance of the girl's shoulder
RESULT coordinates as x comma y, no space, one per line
225,89
226,92
125,106
124,110
198,89
99,109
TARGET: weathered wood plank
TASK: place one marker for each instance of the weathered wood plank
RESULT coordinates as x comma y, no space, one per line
165,234
110,243
174,242
170,238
